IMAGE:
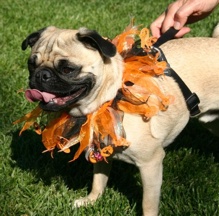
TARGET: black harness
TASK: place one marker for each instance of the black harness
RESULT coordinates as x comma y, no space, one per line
191,99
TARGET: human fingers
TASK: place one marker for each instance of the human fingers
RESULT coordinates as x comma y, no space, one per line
192,11
156,26
182,32
169,16
187,10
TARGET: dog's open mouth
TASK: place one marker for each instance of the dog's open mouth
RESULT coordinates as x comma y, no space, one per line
53,102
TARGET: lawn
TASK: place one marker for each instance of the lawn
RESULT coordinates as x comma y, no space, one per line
34,184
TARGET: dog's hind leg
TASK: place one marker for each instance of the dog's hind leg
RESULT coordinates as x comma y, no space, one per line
100,178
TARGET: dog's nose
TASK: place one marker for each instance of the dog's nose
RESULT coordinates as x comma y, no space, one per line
43,75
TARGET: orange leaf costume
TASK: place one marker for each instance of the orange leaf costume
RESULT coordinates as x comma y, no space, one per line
103,131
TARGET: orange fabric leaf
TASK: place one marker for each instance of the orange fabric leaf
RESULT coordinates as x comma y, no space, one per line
104,124
147,64
146,40
61,143
29,119
124,41
142,109
37,128
54,130
85,133
91,158
107,151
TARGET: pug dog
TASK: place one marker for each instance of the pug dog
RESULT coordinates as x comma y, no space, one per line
81,70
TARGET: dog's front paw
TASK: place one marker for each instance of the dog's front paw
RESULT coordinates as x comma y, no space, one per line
84,201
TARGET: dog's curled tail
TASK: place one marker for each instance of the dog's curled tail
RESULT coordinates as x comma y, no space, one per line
215,33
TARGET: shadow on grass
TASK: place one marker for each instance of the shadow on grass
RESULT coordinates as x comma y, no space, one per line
27,152
190,182
198,139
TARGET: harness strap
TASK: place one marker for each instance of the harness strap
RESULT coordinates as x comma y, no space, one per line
168,35
191,99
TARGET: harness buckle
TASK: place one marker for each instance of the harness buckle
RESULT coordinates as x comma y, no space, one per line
192,103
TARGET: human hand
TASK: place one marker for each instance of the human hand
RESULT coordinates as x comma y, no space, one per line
182,12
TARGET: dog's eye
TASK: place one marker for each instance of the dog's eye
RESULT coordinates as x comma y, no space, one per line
70,71
67,70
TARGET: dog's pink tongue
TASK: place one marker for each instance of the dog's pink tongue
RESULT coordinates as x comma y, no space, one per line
35,95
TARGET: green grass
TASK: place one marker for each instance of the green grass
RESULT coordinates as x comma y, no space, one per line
31,183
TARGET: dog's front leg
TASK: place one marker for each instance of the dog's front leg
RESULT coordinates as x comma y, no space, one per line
151,175
100,178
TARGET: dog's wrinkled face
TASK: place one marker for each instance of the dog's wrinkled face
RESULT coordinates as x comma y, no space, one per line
72,68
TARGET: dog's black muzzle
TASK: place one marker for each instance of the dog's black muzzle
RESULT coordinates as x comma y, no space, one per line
43,75
67,92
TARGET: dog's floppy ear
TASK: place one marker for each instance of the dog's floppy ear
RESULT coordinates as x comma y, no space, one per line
93,39
32,39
